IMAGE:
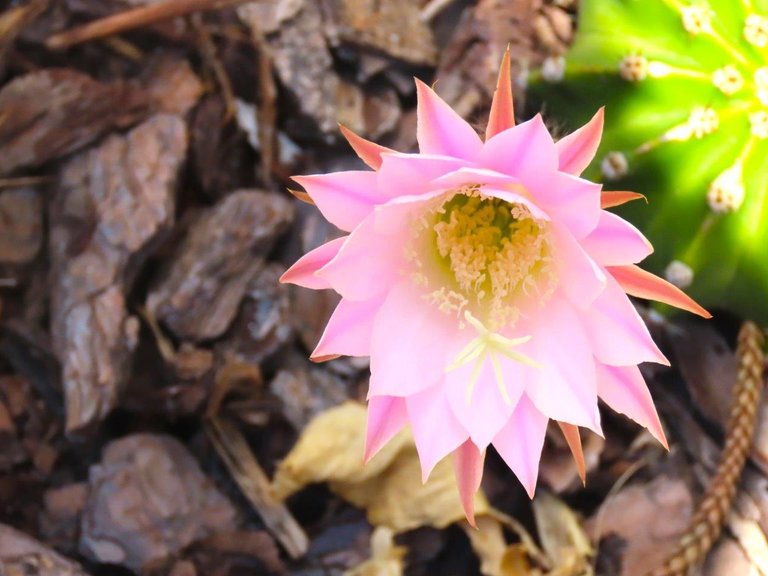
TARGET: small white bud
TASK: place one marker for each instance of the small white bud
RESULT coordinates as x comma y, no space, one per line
553,69
614,165
702,121
726,193
697,19
756,30
728,80
758,121
679,274
633,68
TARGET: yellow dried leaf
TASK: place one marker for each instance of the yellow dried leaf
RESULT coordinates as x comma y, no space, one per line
386,558
389,487
562,536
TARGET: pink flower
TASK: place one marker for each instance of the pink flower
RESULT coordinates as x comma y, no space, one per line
488,285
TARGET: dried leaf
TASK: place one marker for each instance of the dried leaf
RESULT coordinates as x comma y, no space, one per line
386,559
389,487
562,536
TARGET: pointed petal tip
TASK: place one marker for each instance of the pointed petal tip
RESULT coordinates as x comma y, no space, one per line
369,152
502,113
320,358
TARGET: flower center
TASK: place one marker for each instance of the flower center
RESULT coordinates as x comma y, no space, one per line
489,255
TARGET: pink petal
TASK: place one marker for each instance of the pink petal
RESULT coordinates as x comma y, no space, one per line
486,412
412,174
344,198
386,417
642,284
571,201
618,335
502,115
578,149
468,465
367,264
581,279
440,130
613,198
520,443
515,198
302,273
615,242
525,152
436,430
348,332
573,439
411,344
624,390
563,386
369,152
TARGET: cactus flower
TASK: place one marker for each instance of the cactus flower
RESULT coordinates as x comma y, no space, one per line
488,285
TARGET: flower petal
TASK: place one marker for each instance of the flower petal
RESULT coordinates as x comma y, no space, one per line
468,466
520,443
367,264
613,198
412,174
615,242
582,280
624,390
440,130
502,114
573,439
302,273
386,417
348,331
369,152
618,335
344,198
578,149
525,152
436,430
484,412
571,201
563,386
412,343
642,284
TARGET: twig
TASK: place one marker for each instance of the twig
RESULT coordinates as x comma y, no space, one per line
22,181
708,520
433,8
135,18
237,456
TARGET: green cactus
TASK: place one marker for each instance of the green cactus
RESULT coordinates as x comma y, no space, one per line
685,84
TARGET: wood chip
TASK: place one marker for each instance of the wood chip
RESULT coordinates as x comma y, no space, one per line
111,204
69,110
21,225
199,294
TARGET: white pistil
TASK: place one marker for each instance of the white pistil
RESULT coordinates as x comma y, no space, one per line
756,30
485,347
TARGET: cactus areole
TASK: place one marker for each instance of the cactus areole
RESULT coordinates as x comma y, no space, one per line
685,84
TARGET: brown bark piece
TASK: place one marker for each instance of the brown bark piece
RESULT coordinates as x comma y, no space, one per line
307,393
21,225
469,64
198,296
22,555
263,324
647,519
149,499
171,85
394,27
302,59
69,110
112,202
